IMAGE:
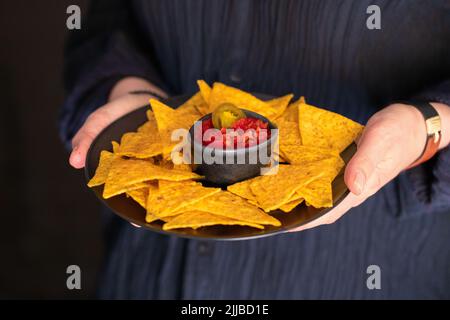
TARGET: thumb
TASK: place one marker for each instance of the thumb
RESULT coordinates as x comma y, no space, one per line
363,164
81,144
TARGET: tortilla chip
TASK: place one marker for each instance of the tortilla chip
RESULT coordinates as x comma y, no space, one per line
139,185
189,108
168,120
291,112
318,193
150,115
205,90
272,191
229,205
291,205
168,164
145,128
126,172
171,197
104,165
140,145
149,218
140,195
242,189
196,219
115,146
326,129
280,104
288,134
222,93
299,155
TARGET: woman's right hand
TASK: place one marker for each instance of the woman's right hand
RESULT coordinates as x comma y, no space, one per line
120,103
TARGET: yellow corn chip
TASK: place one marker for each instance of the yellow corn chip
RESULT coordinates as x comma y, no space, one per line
167,184
299,155
243,190
115,146
288,138
139,195
140,145
146,128
197,219
149,218
326,129
169,198
205,91
221,93
280,104
226,204
318,193
291,205
189,108
272,191
126,172
168,163
139,185
291,112
101,173
150,115
168,120
149,126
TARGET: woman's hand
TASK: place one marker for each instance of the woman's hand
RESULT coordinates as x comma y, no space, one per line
391,141
120,103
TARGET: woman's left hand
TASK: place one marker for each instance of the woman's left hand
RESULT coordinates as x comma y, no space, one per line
391,141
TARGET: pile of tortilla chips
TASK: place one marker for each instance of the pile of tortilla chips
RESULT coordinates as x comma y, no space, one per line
310,141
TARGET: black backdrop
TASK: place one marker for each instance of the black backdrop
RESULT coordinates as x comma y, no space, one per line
49,219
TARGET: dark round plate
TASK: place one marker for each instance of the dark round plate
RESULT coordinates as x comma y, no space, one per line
131,211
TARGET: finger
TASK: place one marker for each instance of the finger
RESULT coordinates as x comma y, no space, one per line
81,146
349,202
99,120
362,166
81,142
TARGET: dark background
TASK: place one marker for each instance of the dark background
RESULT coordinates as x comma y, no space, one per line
49,218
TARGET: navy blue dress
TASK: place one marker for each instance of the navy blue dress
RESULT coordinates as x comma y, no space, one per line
321,49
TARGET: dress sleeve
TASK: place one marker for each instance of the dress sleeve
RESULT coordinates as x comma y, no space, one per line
431,180
105,50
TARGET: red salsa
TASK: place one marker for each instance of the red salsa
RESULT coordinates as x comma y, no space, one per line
244,133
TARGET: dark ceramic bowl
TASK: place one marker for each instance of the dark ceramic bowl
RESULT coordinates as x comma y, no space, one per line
231,165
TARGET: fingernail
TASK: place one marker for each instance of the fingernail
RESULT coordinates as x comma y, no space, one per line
359,183
75,157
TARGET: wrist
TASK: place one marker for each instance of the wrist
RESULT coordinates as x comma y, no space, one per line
418,132
134,84
430,127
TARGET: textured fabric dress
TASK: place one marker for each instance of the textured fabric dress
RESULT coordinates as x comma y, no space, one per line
316,48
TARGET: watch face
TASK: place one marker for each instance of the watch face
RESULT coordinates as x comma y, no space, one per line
433,125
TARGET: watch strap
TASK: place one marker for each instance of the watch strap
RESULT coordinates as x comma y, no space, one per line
433,127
